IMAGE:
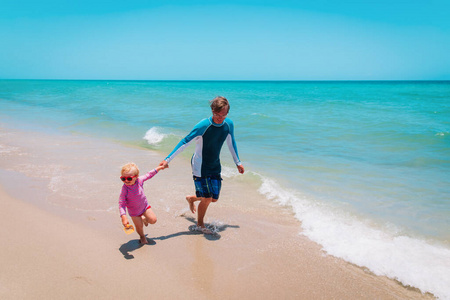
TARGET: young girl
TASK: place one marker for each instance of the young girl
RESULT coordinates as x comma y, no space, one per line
132,197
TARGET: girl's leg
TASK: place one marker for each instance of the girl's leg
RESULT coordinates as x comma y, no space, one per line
144,220
139,229
150,216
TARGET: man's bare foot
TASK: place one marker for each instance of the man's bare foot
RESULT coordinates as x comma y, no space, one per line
143,241
144,220
191,200
206,230
202,229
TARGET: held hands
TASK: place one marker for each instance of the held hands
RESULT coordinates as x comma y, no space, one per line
164,164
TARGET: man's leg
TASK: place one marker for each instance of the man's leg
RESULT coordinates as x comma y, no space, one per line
202,207
191,200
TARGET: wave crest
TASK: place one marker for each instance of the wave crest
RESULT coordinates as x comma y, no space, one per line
154,136
383,250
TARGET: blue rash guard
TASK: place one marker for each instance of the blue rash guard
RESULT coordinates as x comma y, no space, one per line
209,138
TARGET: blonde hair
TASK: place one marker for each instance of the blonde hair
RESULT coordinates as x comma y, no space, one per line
219,103
130,168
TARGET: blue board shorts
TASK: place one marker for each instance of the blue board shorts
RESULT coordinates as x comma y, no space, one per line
208,187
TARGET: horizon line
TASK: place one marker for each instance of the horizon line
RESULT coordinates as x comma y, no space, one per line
230,80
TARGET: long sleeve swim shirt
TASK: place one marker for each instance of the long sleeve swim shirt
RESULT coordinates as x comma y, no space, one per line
132,197
209,138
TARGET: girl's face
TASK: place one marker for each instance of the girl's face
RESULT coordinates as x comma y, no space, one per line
127,176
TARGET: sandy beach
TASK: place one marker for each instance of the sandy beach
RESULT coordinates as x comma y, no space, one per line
62,235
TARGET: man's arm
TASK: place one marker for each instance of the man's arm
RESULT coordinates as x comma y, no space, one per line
231,142
198,130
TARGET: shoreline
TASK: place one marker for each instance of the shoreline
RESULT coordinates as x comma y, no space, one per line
57,248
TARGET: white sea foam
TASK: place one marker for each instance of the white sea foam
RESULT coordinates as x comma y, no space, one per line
412,261
11,150
54,183
444,133
260,114
7,149
154,136
229,172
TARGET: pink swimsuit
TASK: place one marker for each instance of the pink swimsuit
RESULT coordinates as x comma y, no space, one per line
132,197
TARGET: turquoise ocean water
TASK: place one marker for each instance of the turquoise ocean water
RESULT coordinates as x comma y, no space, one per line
364,165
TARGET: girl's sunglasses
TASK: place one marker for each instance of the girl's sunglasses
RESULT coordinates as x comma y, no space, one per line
129,178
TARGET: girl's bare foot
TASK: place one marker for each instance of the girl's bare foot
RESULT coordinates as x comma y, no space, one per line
144,219
191,200
143,241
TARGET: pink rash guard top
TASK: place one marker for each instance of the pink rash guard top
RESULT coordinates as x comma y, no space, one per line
132,197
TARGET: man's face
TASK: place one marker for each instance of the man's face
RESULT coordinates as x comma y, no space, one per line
219,117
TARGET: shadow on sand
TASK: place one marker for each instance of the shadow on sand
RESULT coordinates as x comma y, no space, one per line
132,245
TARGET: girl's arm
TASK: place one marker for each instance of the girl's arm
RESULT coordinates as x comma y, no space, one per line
123,206
124,220
151,173
159,168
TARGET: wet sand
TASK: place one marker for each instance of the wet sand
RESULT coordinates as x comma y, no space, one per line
63,238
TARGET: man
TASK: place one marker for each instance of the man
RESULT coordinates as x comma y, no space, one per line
209,136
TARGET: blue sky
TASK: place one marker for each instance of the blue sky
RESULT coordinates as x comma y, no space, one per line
225,40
